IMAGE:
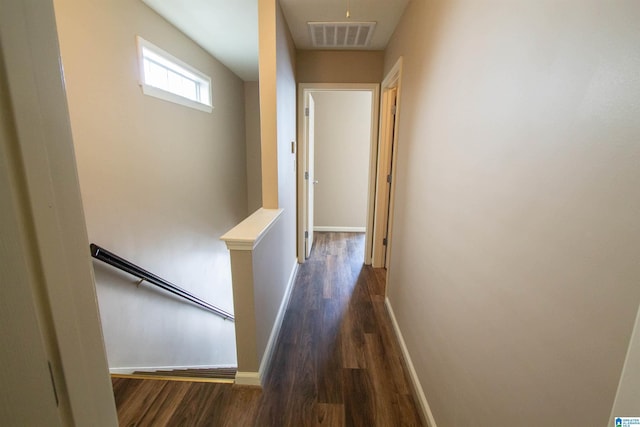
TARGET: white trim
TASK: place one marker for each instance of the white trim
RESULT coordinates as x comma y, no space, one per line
301,162
58,237
275,331
248,378
387,149
131,370
339,229
172,97
304,89
629,372
246,235
425,410
197,76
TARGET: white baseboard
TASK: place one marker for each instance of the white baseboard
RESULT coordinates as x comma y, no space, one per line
131,370
337,229
248,378
425,410
275,331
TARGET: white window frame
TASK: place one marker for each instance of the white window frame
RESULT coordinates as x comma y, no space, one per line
170,62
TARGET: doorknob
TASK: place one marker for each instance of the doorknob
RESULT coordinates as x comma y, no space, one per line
315,182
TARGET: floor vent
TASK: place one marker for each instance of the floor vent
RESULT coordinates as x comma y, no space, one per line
341,34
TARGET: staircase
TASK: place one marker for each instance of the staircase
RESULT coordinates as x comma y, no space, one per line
213,374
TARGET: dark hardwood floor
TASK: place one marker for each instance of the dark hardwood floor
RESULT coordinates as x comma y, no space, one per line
336,363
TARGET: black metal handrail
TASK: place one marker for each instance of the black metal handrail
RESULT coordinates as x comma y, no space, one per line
112,259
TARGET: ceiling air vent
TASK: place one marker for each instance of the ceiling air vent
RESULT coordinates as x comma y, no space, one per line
341,34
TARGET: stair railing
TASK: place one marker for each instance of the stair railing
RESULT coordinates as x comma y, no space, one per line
145,276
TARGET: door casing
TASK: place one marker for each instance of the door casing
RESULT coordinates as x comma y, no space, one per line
309,178
54,235
304,91
387,153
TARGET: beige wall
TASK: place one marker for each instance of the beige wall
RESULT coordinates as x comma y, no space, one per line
286,129
160,183
514,270
252,132
275,258
342,146
268,112
270,276
333,66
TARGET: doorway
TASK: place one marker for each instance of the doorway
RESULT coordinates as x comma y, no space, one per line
309,182
385,171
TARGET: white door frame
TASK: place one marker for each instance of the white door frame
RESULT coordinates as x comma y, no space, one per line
309,172
304,89
387,149
55,230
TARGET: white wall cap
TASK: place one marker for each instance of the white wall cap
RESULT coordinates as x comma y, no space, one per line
246,235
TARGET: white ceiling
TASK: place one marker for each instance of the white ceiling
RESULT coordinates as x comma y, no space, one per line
386,14
228,29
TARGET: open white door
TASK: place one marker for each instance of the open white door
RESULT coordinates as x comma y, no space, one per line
309,174
381,233
387,147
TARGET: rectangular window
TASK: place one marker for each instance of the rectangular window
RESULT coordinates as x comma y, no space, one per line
166,77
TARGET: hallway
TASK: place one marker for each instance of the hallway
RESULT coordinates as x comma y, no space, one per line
336,363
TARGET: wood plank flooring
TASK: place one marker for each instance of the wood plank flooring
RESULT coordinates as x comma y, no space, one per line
336,363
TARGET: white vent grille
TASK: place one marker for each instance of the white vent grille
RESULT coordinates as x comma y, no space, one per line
341,34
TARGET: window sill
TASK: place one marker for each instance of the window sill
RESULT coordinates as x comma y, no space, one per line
176,99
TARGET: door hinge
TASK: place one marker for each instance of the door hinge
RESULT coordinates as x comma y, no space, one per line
389,178
384,242
306,175
53,384
306,111
394,109
306,234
